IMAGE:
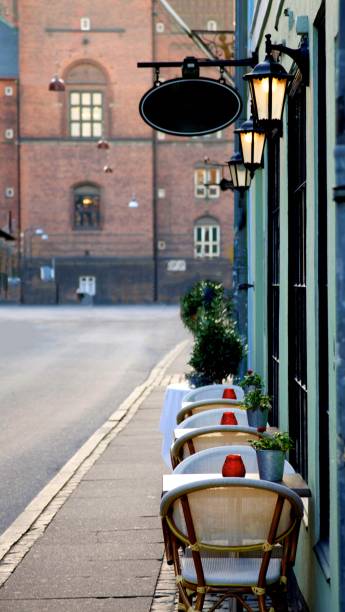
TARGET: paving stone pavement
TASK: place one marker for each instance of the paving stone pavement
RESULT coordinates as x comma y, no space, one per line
98,547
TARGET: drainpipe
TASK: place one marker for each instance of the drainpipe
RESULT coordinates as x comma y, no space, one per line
154,180
240,269
339,197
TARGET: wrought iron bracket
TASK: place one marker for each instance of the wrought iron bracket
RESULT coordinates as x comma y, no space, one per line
203,63
300,55
225,184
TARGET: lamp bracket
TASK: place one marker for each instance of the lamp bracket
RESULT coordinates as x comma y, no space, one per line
300,55
203,63
225,184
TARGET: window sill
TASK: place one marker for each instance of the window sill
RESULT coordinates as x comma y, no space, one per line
322,554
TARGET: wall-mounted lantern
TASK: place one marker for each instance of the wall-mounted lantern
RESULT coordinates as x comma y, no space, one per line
268,83
252,142
240,175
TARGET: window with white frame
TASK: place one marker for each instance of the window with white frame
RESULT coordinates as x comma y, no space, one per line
86,114
86,94
206,183
206,239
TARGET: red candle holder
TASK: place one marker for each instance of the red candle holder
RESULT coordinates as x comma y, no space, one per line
228,418
233,466
229,394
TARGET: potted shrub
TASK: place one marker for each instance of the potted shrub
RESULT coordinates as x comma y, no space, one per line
216,353
205,297
270,453
257,405
251,381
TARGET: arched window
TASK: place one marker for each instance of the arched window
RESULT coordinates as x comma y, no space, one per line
212,25
86,90
86,211
207,237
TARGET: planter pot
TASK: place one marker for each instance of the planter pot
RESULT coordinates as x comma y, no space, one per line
271,464
198,380
257,418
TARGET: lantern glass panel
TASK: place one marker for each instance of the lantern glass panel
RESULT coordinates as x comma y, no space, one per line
233,174
242,175
252,151
261,93
278,96
261,89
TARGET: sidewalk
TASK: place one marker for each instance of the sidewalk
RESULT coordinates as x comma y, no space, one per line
100,545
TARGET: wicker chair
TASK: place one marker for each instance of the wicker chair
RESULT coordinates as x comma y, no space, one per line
203,405
211,460
211,392
213,417
206,437
231,537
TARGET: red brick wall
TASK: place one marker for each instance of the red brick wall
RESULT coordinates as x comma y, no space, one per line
52,163
8,154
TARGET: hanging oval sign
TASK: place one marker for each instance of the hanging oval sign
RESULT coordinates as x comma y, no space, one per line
190,107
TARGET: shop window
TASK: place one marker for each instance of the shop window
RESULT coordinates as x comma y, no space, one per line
298,391
273,276
206,238
86,207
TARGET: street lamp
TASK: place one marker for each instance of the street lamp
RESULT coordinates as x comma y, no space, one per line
252,142
240,175
268,83
57,84
133,203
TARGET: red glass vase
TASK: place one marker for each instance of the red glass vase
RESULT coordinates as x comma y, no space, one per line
228,418
234,466
229,394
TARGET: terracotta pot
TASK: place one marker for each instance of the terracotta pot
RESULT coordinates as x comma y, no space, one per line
234,466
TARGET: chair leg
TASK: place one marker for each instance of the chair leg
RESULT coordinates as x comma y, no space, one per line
280,601
261,602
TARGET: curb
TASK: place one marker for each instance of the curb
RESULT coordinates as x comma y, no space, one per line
17,540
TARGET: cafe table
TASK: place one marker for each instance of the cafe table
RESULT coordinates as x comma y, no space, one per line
172,403
294,481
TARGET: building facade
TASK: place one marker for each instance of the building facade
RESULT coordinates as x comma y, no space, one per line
295,267
141,220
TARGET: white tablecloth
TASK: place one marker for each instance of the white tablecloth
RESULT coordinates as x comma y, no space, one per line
172,404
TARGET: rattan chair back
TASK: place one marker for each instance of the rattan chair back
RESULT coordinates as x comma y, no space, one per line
206,437
203,405
230,530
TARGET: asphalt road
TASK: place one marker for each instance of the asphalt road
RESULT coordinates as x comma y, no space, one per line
63,371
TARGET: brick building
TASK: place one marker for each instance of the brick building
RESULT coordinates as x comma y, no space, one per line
146,228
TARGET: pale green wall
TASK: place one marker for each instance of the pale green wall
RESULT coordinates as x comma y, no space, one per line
319,594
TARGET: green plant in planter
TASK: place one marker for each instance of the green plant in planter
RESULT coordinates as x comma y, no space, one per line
258,406
206,297
270,454
278,441
217,351
251,379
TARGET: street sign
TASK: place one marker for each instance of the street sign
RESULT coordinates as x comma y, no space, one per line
190,107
